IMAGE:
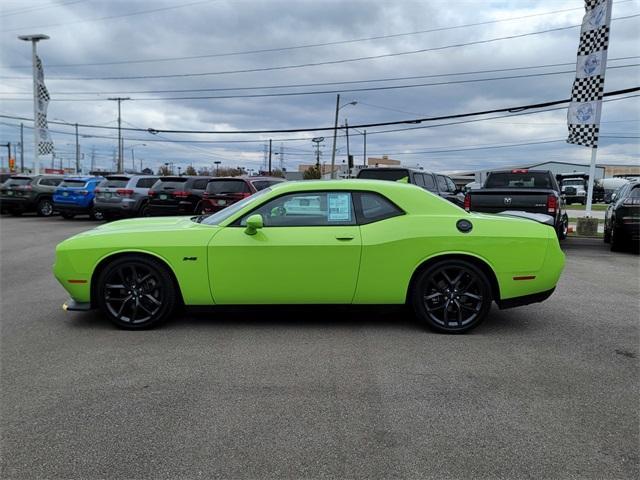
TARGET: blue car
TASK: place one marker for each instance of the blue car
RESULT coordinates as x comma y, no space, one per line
75,195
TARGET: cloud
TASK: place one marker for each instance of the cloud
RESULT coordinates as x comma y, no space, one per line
234,26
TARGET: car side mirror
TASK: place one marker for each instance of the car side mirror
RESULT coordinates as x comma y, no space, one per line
613,197
254,222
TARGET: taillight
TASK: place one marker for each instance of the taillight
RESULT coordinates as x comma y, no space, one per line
124,192
552,204
520,171
83,192
631,201
246,194
467,202
180,194
98,190
151,193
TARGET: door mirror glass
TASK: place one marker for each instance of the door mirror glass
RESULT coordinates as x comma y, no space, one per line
254,222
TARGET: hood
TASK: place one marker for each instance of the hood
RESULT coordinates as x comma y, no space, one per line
146,224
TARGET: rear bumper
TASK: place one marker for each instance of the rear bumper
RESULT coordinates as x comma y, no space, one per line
121,208
71,207
525,299
22,203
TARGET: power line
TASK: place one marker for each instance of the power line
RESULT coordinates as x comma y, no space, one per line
36,8
514,110
271,87
330,62
324,92
309,45
110,17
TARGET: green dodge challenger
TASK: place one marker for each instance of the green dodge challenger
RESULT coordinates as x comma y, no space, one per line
316,242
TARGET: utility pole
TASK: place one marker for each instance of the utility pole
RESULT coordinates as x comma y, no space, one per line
21,148
77,151
282,157
270,156
120,143
364,157
346,128
93,158
34,39
8,145
133,160
335,134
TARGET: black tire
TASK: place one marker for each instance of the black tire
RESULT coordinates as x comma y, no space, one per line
67,215
563,229
617,243
145,211
451,287
95,214
136,292
44,208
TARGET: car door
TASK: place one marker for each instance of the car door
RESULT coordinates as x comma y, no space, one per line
308,251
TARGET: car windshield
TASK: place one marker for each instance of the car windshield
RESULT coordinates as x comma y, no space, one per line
391,174
227,186
73,183
218,217
18,181
115,182
573,182
518,180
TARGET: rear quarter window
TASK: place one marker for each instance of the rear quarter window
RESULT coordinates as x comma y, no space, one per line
392,174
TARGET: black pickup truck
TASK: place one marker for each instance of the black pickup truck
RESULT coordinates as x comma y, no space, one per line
534,191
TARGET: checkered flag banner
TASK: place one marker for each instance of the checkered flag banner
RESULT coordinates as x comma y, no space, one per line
583,114
45,144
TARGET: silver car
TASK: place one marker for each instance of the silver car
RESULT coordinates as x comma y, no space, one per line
123,195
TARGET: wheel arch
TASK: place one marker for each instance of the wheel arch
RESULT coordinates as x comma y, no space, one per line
104,261
479,262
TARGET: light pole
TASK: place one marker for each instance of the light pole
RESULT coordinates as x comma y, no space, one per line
335,134
364,156
36,132
133,155
217,163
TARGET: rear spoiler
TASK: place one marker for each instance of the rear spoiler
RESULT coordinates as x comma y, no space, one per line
536,217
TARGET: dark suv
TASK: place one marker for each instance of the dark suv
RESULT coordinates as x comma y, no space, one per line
622,219
176,196
222,192
29,193
436,183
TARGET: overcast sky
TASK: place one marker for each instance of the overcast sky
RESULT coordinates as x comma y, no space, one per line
150,36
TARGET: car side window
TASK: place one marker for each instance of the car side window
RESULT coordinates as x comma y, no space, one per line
146,182
48,182
442,183
429,182
307,209
451,186
373,207
200,184
418,178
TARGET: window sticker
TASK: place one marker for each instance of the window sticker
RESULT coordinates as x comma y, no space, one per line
339,207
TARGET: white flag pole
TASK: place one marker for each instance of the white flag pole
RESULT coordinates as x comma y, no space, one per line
592,179
36,132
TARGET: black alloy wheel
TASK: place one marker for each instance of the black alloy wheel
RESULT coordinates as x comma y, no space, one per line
136,292
44,208
452,296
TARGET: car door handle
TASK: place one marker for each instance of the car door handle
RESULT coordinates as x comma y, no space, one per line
344,239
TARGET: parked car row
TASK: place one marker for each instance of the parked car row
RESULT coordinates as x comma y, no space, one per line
123,195
622,218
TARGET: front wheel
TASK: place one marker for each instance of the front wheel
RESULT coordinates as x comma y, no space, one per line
136,292
452,296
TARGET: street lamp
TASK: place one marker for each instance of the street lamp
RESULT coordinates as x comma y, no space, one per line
133,156
217,163
335,134
364,156
35,38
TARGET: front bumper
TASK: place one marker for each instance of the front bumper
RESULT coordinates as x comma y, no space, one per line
72,306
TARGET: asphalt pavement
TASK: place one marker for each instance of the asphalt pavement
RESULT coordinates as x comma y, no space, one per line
543,391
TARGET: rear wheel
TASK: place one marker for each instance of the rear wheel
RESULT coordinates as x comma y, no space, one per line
452,296
44,208
96,214
136,292
607,234
563,228
617,242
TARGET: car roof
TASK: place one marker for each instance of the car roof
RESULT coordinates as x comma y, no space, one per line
248,178
85,178
409,169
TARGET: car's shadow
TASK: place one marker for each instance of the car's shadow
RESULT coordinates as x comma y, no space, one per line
397,317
